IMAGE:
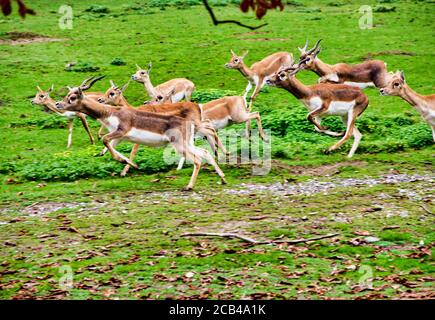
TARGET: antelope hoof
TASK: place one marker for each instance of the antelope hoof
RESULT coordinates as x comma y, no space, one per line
223,181
132,165
123,174
328,151
187,188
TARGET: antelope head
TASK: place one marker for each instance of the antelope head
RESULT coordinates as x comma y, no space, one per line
236,61
278,78
142,75
310,55
161,98
114,94
73,100
395,85
42,96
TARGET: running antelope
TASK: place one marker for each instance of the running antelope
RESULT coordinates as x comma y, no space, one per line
43,98
228,110
325,99
187,110
147,128
259,71
425,105
371,73
183,87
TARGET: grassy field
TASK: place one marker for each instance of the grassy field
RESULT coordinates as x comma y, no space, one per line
67,215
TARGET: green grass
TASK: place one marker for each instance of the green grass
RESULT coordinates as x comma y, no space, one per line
129,243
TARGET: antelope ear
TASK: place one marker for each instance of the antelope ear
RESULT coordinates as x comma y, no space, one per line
402,75
112,83
39,88
69,88
51,88
138,67
232,53
125,86
150,66
244,54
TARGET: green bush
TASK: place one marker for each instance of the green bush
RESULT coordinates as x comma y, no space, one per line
69,166
95,8
118,62
82,66
204,96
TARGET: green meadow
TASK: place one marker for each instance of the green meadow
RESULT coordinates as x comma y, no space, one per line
72,228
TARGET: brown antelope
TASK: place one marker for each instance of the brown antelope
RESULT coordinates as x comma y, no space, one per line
371,73
259,71
187,110
147,128
183,87
325,99
425,105
43,98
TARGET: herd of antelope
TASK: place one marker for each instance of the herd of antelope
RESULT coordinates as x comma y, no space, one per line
165,119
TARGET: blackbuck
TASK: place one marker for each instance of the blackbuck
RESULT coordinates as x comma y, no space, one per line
259,71
425,105
367,74
325,99
137,126
188,110
43,98
183,87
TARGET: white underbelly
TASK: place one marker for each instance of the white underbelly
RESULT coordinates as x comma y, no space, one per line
221,123
146,137
177,97
69,114
111,123
361,85
340,108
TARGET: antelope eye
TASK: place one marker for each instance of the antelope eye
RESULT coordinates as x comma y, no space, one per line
142,73
396,84
73,98
41,96
236,60
159,98
112,94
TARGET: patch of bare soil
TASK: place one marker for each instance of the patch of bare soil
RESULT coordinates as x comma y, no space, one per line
371,55
47,207
16,38
324,170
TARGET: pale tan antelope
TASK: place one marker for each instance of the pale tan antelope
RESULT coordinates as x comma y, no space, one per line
425,105
259,71
371,73
187,110
147,128
43,98
229,110
183,87
325,99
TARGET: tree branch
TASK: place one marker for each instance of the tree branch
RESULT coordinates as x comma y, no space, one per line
255,242
216,22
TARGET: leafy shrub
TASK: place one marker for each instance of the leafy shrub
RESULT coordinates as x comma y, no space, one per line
95,8
380,8
48,122
118,62
81,66
204,96
68,166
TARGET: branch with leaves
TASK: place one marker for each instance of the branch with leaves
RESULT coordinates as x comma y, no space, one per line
259,6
